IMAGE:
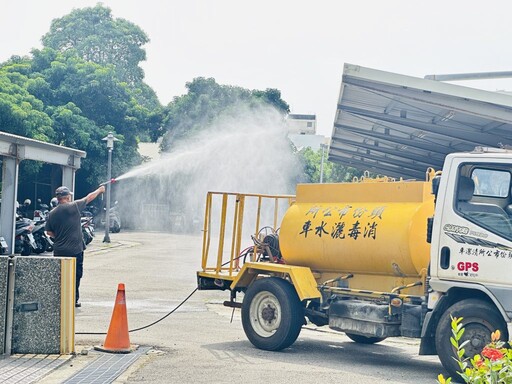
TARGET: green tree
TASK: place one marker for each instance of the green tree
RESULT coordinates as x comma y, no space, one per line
84,83
207,101
332,172
21,113
87,101
93,35
60,98
272,97
343,174
97,37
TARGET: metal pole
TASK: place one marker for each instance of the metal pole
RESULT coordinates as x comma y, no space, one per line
106,239
322,163
9,306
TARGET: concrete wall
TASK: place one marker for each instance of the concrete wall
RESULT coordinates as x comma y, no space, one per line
43,316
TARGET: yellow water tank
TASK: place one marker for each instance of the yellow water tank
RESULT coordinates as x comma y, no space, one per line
376,228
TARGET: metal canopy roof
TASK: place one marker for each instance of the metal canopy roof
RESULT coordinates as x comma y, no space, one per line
398,125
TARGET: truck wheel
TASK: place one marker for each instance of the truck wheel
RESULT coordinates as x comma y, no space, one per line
364,339
480,319
272,314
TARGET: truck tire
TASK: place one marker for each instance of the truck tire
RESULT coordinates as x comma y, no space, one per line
272,314
364,339
480,319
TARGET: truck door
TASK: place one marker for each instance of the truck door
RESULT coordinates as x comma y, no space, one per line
472,239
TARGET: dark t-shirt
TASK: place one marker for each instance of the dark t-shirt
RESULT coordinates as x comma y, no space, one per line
64,222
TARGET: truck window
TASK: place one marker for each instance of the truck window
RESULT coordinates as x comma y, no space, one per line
491,182
485,212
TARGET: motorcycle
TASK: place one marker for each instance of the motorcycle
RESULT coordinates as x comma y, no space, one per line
87,229
24,209
114,219
93,212
24,239
42,212
44,243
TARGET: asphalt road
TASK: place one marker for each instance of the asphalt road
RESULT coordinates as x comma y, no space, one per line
199,343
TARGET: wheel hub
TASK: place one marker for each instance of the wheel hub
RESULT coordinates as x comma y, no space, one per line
268,313
476,342
265,312
478,335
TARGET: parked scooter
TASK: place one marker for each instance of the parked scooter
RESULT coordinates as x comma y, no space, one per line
44,243
24,239
93,212
23,210
41,213
87,229
114,219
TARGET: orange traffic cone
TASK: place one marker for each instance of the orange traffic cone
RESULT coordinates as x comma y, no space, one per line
118,338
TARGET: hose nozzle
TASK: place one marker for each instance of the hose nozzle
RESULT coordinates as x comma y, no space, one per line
111,181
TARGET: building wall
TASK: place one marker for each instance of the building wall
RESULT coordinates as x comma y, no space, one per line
301,124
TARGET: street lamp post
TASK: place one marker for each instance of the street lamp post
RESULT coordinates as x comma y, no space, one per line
110,146
323,146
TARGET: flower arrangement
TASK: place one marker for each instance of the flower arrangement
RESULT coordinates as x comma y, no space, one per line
492,366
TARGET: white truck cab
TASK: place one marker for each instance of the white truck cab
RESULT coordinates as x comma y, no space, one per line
471,252
472,233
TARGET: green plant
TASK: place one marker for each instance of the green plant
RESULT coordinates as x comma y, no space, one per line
492,366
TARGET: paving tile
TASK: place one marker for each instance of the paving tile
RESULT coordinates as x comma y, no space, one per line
106,368
29,368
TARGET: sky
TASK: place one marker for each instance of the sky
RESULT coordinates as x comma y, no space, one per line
296,46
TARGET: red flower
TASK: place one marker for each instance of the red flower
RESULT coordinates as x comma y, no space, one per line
492,353
479,363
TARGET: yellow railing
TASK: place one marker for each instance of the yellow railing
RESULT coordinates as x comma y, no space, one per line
223,267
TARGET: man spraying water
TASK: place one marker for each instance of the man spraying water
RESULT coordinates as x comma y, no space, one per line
64,226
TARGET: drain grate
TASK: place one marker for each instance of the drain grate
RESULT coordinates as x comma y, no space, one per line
106,368
27,369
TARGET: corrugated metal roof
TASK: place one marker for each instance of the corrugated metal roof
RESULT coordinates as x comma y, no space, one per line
399,125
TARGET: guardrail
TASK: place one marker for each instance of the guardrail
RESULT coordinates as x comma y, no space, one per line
224,266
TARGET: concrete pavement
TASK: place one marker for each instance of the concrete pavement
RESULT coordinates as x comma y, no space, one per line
199,343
